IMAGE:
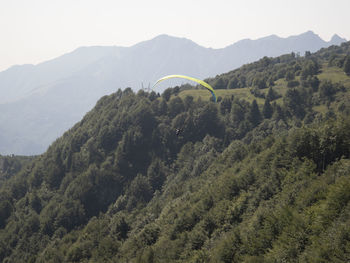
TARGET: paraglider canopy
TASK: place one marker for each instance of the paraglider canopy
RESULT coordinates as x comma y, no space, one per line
204,84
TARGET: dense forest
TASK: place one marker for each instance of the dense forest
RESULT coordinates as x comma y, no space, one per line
10,165
265,178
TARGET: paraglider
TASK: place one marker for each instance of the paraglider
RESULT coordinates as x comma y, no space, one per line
204,84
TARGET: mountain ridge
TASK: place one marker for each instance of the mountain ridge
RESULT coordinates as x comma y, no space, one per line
336,40
84,75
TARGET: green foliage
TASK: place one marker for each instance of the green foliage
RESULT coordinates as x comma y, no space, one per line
245,181
10,165
347,65
267,110
254,115
272,94
294,103
293,83
220,83
5,212
225,105
327,90
166,94
310,68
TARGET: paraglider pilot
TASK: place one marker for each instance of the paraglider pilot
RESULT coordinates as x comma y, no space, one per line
178,131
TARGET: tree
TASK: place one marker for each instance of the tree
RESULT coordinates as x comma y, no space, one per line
347,65
5,212
225,105
327,90
188,101
156,174
309,68
120,227
152,96
141,189
206,121
260,82
254,115
272,94
294,103
292,83
314,83
176,106
162,107
289,75
237,113
166,94
267,110
277,112
233,83
176,90
220,84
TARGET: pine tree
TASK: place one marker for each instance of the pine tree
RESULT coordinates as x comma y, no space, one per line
267,110
254,115
271,94
347,65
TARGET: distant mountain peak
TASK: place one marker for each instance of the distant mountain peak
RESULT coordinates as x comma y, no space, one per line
165,37
179,39
309,34
270,37
335,37
336,40
166,41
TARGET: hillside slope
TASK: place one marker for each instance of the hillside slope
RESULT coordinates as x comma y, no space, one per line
241,183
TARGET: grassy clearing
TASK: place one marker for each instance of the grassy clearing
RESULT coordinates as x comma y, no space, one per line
237,93
280,86
320,108
333,74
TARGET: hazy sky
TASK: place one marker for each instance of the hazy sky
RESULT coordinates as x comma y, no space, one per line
33,31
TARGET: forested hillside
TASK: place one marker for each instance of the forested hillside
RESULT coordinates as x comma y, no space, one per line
10,165
263,175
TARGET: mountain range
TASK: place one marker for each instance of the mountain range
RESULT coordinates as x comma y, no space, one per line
39,102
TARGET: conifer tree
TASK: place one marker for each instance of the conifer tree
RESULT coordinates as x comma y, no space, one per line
347,65
267,110
254,115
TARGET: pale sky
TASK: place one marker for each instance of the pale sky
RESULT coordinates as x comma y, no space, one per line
33,31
